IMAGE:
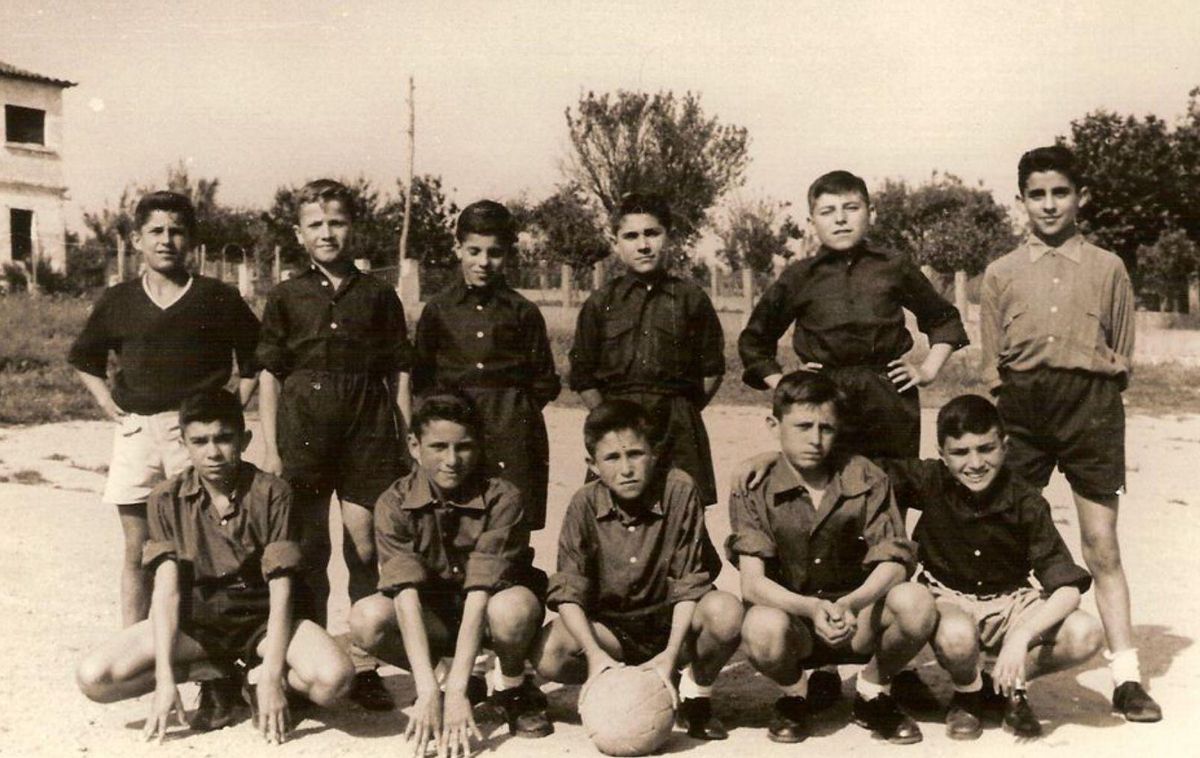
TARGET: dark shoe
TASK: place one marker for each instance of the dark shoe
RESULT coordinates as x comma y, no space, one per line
790,722
218,705
522,708
964,717
369,691
1135,704
696,718
910,691
824,689
883,716
476,690
1019,717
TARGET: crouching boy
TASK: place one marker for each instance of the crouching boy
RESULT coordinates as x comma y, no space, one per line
223,551
981,533
635,573
456,575
823,557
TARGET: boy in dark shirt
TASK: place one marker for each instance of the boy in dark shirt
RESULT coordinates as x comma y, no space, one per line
635,573
482,338
653,338
982,533
335,357
174,334
223,551
847,304
456,575
823,558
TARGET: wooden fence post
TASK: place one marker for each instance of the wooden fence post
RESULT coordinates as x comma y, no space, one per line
747,294
566,285
276,267
120,258
960,293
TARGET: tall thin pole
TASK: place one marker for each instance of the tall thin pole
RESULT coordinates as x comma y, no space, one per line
408,176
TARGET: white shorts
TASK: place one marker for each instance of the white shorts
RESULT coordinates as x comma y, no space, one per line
146,450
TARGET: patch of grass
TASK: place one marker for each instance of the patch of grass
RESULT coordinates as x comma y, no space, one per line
26,476
56,457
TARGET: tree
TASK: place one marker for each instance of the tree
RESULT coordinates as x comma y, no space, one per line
1168,265
754,233
569,229
375,232
431,231
655,143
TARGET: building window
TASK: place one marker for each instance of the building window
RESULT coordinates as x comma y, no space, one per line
20,222
25,125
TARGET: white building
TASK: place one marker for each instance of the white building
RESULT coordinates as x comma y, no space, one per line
32,188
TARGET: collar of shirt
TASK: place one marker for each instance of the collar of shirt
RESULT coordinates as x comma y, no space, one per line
422,493
826,255
320,276
1072,249
852,478
606,508
193,488
660,281
499,291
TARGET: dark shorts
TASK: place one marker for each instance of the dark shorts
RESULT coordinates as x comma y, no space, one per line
641,636
1070,419
229,622
340,432
677,427
882,423
516,445
821,653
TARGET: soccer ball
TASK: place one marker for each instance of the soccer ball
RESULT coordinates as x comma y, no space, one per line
627,711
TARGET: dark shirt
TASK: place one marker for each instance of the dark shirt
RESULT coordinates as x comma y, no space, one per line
166,355
827,550
493,337
475,541
613,562
257,540
660,335
983,544
358,328
848,311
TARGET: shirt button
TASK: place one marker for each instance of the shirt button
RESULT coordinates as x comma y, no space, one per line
633,528
454,569
333,325
978,584
1054,309
816,560
500,464
324,283
479,335
479,365
479,307
977,554
633,559
1056,280
1050,338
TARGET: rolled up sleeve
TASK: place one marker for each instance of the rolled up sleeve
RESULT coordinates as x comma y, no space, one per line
282,552
544,383
572,581
1052,563
758,344
400,565
991,329
280,558
936,318
710,338
585,351
750,532
245,330
272,353
502,547
394,325
89,352
160,522
883,530
695,563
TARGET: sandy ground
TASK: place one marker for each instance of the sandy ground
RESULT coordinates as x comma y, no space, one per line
59,556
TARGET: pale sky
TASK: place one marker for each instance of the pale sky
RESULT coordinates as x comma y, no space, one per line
264,93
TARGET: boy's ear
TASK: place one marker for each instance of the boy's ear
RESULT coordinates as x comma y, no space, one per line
299,237
773,424
591,464
871,213
247,435
414,446
1085,196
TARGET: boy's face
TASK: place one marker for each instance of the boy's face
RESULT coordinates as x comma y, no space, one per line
640,242
624,461
1052,201
446,451
214,448
806,434
841,221
163,241
324,231
481,257
974,460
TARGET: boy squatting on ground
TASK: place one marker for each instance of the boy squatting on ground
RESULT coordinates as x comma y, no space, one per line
1057,326
335,357
653,338
174,334
847,303
456,576
483,339
224,555
635,573
823,559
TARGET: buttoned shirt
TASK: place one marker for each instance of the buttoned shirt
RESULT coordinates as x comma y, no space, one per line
357,327
484,337
824,549
1066,307
616,561
985,543
848,310
656,334
473,539
255,540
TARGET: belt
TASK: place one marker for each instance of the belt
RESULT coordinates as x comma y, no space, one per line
925,577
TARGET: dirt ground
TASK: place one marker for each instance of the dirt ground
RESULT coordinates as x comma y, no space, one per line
59,558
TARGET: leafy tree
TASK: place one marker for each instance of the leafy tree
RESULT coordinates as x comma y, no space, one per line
754,233
570,229
628,141
375,233
1168,265
431,230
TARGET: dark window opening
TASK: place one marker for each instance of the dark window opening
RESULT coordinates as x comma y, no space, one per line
20,224
27,125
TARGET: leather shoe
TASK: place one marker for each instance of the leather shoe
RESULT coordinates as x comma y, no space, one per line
219,700
369,691
824,689
964,716
910,691
1135,704
790,722
883,716
1019,717
696,718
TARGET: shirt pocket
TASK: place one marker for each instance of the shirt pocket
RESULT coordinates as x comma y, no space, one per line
671,348
509,338
618,345
1086,332
466,536
1019,330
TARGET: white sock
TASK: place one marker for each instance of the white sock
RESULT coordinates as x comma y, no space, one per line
689,688
975,686
870,690
1124,666
799,688
500,682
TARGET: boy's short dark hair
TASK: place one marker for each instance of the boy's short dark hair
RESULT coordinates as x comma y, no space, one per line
446,406
614,416
642,202
806,388
326,191
164,200
967,414
487,218
1050,158
212,405
837,183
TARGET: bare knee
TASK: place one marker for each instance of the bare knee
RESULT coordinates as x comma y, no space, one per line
331,681
513,614
913,610
765,634
1101,552
370,618
554,651
1079,637
94,678
721,616
956,640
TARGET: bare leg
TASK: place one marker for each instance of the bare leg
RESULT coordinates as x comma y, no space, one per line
956,643
1076,640
1102,553
123,667
514,618
135,581
559,658
896,628
715,636
317,667
774,645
